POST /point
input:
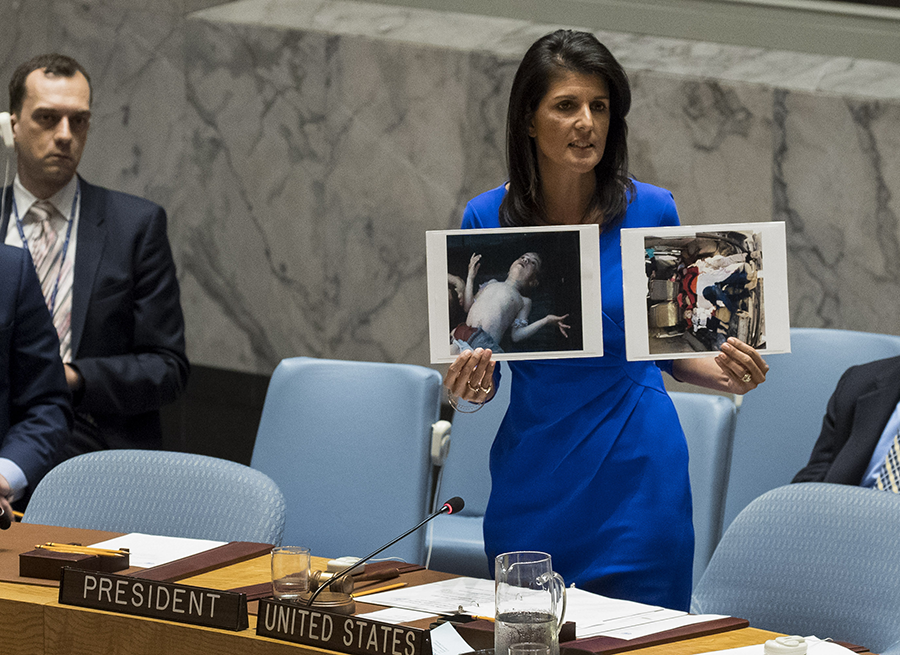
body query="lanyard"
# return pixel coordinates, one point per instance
(65, 244)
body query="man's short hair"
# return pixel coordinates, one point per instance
(53, 64)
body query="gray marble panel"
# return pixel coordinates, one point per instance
(440, 29)
(318, 163)
(190, 6)
(484, 133)
(837, 184)
(708, 142)
(134, 57)
(24, 33)
(773, 68)
(128, 7)
(302, 148)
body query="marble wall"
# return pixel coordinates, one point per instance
(303, 147)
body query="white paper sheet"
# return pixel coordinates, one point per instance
(650, 624)
(445, 640)
(574, 288)
(459, 595)
(593, 614)
(148, 550)
(395, 616)
(814, 646)
(765, 263)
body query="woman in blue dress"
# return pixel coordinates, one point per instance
(590, 463)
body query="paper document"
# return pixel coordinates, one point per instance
(396, 616)
(445, 640)
(456, 596)
(650, 624)
(594, 615)
(148, 550)
(814, 646)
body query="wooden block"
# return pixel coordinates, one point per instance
(48, 564)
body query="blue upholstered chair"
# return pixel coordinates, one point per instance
(812, 559)
(778, 423)
(708, 424)
(457, 542)
(161, 493)
(349, 445)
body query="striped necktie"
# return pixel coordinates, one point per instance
(889, 476)
(46, 245)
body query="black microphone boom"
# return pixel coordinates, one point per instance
(452, 506)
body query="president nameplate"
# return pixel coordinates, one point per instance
(344, 633)
(212, 608)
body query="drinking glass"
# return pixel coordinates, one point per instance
(290, 572)
(529, 648)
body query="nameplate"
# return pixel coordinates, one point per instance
(344, 633)
(158, 600)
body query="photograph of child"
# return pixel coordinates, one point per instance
(518, 293)
(702, 290)
(699, 288)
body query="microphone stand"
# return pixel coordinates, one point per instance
(343, 602)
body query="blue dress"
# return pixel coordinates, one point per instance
(590, 463)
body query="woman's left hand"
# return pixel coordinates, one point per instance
(742, 365)
(471, 376)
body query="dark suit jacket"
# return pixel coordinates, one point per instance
(127, 324)
(857, 412)
(35, 414)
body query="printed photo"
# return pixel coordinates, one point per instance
(690, 289)
(523, 293)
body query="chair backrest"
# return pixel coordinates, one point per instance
(456, 543)
(466, 472)
(778, 423)
(708, 424)
(162, 493)
(811, 559)
(349, 445)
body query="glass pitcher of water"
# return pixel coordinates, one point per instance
(531, 602)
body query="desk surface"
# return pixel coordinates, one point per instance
(41, 625)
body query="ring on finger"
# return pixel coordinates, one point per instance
(747, 377)
(487, 389)
(475, 388)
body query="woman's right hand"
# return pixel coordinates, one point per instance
(559, 322)
(471, 376)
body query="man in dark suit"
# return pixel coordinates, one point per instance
(109, 277)
(35, 415)
(862, 419)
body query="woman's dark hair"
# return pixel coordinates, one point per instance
(549, 56)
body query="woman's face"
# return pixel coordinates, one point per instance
(571, 123)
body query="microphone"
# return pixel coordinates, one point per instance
(5, 520)
(452, 506)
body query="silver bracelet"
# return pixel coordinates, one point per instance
(463, 406)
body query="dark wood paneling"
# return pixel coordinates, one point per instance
(218, 414)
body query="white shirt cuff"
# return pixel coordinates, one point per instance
(18, 483)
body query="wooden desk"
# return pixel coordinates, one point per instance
(38, 624)
(42, 625)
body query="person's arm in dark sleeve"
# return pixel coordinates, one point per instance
(155, 372)
(40, 410)
(835, 432)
